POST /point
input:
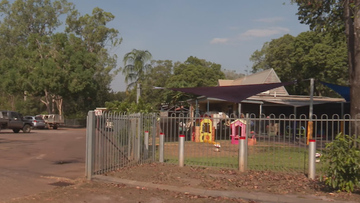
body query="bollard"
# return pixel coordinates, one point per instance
(312, 159)
(181, 150)
(242, 154)
(146, 143)
(161, 148)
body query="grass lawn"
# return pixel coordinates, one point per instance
(263, 156)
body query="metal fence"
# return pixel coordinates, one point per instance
(119, 140)
(75, 123)
(273, 143)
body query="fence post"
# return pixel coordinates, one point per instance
(242, 154)
(181, 150)
(312, 161)
(138, 137)
(154, 131)
(146, 143)
(90, 145)
(161, 148)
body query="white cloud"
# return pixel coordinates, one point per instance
(270, 20)
(219, 41)
(263, 32)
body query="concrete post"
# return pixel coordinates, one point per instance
(312, 159)
(90, 145)
(242, 154)
(146, 143)
(181, 150)
(161, 148)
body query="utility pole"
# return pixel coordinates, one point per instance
(138, 92)
(311, 98)
(310, 123)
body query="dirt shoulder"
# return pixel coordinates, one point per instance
(95, 192)
(231, 180)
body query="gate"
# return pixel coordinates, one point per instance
(115, 140)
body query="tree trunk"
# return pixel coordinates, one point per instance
(352, 29)
(46, 101)
(59, 104)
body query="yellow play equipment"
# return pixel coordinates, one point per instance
(205, 132)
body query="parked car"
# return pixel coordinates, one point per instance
(15, 121)
(37, 121)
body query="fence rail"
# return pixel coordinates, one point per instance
(272, 143)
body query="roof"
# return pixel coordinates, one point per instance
(225, 82)
(262, 77)
(289, 100)
(234, 93)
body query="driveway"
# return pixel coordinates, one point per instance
(36, 161)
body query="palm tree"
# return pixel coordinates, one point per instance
(136, 65)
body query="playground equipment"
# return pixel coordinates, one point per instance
(204, 131)
(235, 125)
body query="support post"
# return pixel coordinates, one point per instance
(242, 154)
(90, 145)
(161, 148)
(208, 107)
(146, 143)
(181, 150)
(294, 123)
(196, 108)
(312, 159)
(239, 109)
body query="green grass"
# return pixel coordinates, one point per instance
(275, 158)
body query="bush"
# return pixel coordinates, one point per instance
(342, 163)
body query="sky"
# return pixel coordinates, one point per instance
(226, 32)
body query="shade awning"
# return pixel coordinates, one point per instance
(342, 90)
(297, 103)
(235, 93)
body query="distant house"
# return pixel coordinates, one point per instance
(276, 101)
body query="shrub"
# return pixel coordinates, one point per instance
(342, 163)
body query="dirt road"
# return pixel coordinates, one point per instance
(34, 162)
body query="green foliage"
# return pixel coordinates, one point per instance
(136, 66)
(232, 74)
(67, 71)
(342, 158)
(157, 76)
(193, 72)
(322, 16)
(126, 107)
(308, 55)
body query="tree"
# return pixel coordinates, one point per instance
(337, 17)
(232, 74)
(158, 75)
(53, 66)
(193, 72)
(100, 40)
(22, 21)
(308, 55)
(136, 66)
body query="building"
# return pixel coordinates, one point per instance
(275, 101)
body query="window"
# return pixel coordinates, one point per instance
(14, 115)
